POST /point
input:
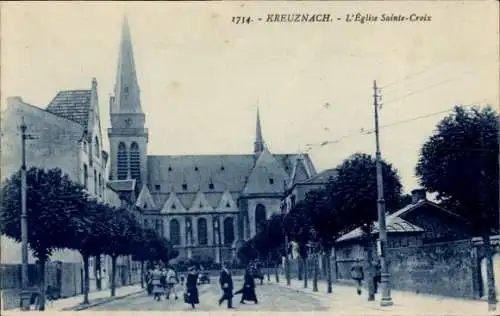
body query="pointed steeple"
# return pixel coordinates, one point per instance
(127, 94)
(259, 140)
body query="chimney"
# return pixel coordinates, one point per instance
(417, 195)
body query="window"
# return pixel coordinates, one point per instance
(157, 187)
(125, 89)
(271, 181)
(211, 186)
(174, 207)
(96, 146)
(184, 186)
(189, 231)
(195, 168)
(228, 231)
(135, 163)
(85, 176)
(202, 231)
(260, 217)
(159, 227)
(227, 204)
(175, 233)
(169, 168)
(84, 146)
(201, 205)
(122, 162)
(222, 168)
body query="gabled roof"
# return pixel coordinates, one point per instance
(173, 204)
(268, 176)
(145, 200)
(323, 176)
(121, 185)
(73, 105)
(227, 202)
(299, 172)
(412, 206)
(394, 225)
(200, 203)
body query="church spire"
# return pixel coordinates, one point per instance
(259, 140)
(127, 94)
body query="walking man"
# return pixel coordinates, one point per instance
(226, 283)
(357, 274)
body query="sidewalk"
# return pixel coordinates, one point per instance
(345, 300)
(74, 303)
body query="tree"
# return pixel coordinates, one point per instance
(354, 192)
(90, 231)
(460, 163)
(52, 201)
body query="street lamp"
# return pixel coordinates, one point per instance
(25, 293)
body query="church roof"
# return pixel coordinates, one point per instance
(268, 176)
(323, 177)
(73, 105)
(211, 174)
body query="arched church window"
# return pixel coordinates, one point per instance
(122, 162)
(202, 231)
(97, 148)
(228, 231)
(260, 217)
(135, 162)
(175, 232)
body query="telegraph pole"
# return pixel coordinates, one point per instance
(384, 282)
(25, 295)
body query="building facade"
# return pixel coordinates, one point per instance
(205, 204)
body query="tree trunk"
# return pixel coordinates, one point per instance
(142, 274)
(328, 269)
(113, 275)
(300, 270)
(98, 277)
(86, 278)
(315, 272)
(492, 297)
(370, 273)
(41, 303)
(305, 269)
(277, 273)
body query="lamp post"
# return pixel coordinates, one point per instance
(25, 293)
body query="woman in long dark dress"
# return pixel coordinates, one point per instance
(192, 288)
(248, 290)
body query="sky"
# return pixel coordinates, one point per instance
(203, 77)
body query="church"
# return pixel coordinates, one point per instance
(206, 205)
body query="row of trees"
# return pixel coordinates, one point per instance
(62, 215)
(459, 163)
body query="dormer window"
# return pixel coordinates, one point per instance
(169, 168)
(157, 187)
(271, 181)
(184, 186)
(145, 205)
(195, 168)
(222, 168)
(211, 186)
(228, 205)
(201, 205)
(173, 206)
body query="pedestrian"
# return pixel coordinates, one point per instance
(149, 281)
(357, 274)
(191, 294)
(248, 289)
(226, 283)
(171, 282)
(156, 282)
(378, 275)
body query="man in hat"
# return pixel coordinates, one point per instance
(226, 283)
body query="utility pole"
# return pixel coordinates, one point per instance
(25, 293)
(384, 281)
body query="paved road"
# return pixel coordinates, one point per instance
(271, 297)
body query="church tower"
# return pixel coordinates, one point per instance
(127, 136)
